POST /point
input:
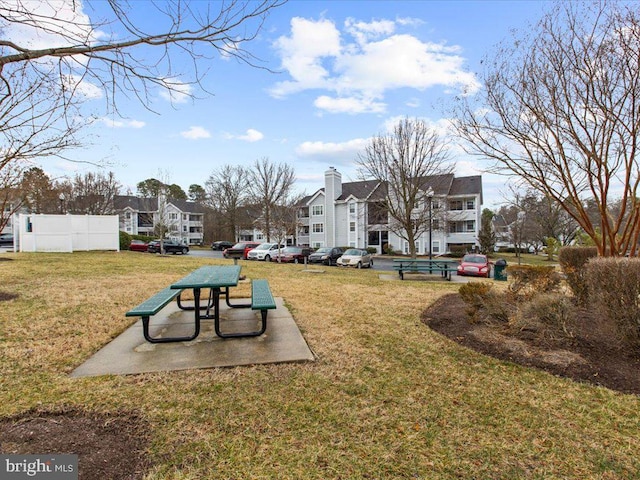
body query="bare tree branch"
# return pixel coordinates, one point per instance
(560, 110)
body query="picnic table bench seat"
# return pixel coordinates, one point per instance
(150, 307)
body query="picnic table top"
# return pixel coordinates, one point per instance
(210, 276)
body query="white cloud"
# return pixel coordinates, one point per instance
(178, 93)
(195, 133)
(251, 135)
(337, 153)
(303, 52)
(351, 105)
(113, 123)
(365, 61)
(363, 31)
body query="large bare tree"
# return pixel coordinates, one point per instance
(92, 193)
(270, 188)
(411, 161)
(226, 192)
(561, 110)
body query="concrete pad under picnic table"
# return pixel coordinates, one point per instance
(130, 353)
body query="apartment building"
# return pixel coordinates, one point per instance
(139, 216)
(353, 214)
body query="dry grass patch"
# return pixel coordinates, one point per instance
(387, 398)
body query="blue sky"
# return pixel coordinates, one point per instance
(347, 70)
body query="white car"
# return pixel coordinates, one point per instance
(355, 257)
(264, 251)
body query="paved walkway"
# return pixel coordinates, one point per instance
(130, 353)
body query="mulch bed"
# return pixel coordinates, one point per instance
(588, 358)
(108, 446)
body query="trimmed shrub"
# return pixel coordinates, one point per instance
(483, 304)
(125, 240)
(548, 316)
(529, 279)
(572, 261)
(457, 251)
(613, 288)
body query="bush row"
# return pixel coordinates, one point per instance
(610, 287)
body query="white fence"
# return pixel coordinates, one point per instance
(67, 233)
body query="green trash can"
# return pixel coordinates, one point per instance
(500, 270)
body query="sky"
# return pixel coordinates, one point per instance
(336, 73)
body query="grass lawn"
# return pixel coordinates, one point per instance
(386, 399)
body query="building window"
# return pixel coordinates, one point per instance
(318, 228)
(470, 226)
(145, 220)
(352, 208)
(184, 217)
(304, 230)
(471, 204)
(317, 210)
(455, 227)
(436, 247)
(173, 216)
(352, 226)
(127, 215)
(455, 205)
(184, 228)
(435, 224)
(317, 244)
(435, 203)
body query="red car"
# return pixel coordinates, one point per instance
(239, 250)
(292, 254)
(138, 246)
(476, 265)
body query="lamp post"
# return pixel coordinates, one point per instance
(430, 197)
(61, 197)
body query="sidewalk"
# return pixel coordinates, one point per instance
(130, 353)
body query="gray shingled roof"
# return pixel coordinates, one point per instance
(466, 186)
(442, 185)
(120, 202)
(360, 190)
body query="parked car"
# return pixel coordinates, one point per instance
(326, 255)
(292, 255)
(138, 246)
(239, 250)
(221, 245)
(168, 246)
(355, 257)
(265, 251)
(476, 265)
(6, 239)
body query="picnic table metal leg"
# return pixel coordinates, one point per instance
(216, 308)
(150, 339)
(226, 297)
(191, 308)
